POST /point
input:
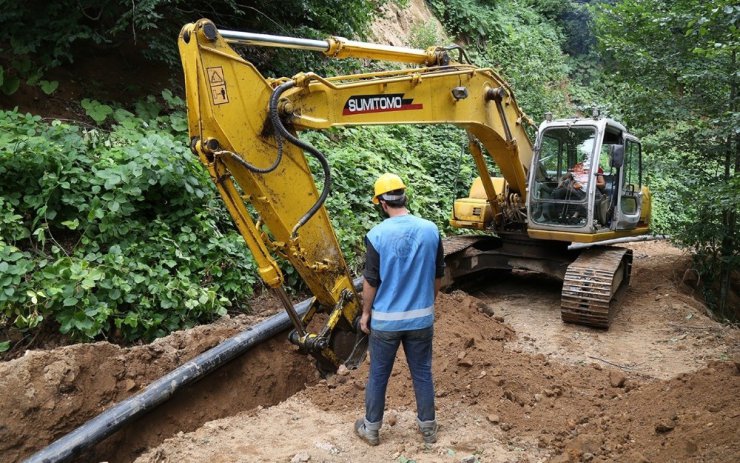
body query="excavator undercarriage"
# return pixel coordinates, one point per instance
(592, 283)
(592, 278)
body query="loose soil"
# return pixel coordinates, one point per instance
(395, 25)
(513, 384)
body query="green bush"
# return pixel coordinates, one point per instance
(113, 233)
(425, 35)
(675, 76)
(427, 158)
(45, 35)
(519, 42)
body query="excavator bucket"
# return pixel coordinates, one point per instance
(350, 347)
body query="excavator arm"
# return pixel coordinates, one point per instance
(243, 129)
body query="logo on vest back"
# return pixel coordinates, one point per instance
(364, 104)
(406, 245)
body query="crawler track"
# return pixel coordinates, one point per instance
(591, 278)
(591, 283)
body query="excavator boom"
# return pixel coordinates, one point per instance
(243, 129)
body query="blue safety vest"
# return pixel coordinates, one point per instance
(407, 247)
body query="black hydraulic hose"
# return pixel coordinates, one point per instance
(461, 50)
(254, 168)
(113, 419)
(282, 131)
(629, 239)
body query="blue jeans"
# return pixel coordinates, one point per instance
(417, 344)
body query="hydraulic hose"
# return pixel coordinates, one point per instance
(102, 426)
(281, 131)
(461, 50)
(252, 167)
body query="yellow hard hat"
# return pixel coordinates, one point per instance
(386, 183)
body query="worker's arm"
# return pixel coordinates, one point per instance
(600, 182)
(437, 285)
(370, 285)
(368, 296)
(439, 270)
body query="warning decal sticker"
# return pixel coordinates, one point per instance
(218, 85)
(363, 104)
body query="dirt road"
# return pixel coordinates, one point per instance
(519, 385)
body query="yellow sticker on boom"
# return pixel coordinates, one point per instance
(218, 85)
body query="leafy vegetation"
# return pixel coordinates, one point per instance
(44, 35)
(517, 41)
(113, 232)
(673, 74)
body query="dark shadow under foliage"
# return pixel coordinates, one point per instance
(44, 35)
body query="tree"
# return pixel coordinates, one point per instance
(43, 35)
(677, 63)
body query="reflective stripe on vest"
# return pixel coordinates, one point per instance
(396, 316)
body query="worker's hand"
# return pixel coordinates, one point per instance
(365, 323)
(565, 179)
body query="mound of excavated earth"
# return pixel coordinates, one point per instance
(513, 384)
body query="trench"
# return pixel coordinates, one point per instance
(45, 395)
(269, 374)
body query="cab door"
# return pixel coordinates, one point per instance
(630, 198)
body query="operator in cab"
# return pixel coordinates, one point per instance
(575, 180)
(403, 273)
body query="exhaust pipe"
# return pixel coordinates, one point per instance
(113, 419)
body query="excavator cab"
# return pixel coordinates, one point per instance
(586, 182)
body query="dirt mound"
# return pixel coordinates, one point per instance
(693, 417)
(500, 400)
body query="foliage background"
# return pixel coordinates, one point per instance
(676, 77)
(113, 232)
(109, 228)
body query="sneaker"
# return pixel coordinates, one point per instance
(429, 433)
(368, 435)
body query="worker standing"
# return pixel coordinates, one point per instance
(403, 271)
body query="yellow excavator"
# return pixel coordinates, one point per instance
(581, 182)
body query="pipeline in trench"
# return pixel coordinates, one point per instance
(265, 376)
(218, 383)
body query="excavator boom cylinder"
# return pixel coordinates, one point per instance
(275, 41)
(339, 47)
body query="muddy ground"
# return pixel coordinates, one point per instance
(519, 385)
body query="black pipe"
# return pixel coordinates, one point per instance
(113, 419)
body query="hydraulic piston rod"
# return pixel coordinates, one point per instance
(338, 47)
(278, 41)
